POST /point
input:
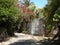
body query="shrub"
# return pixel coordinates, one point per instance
(9, 14)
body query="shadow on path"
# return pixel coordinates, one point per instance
(26, 42)
(31, 42)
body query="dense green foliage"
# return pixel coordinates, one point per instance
(9, 14)
(51, 11)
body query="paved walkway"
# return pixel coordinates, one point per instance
(23, 39)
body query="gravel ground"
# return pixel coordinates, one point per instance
(23, 39)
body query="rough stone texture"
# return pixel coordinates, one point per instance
(3, 34)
